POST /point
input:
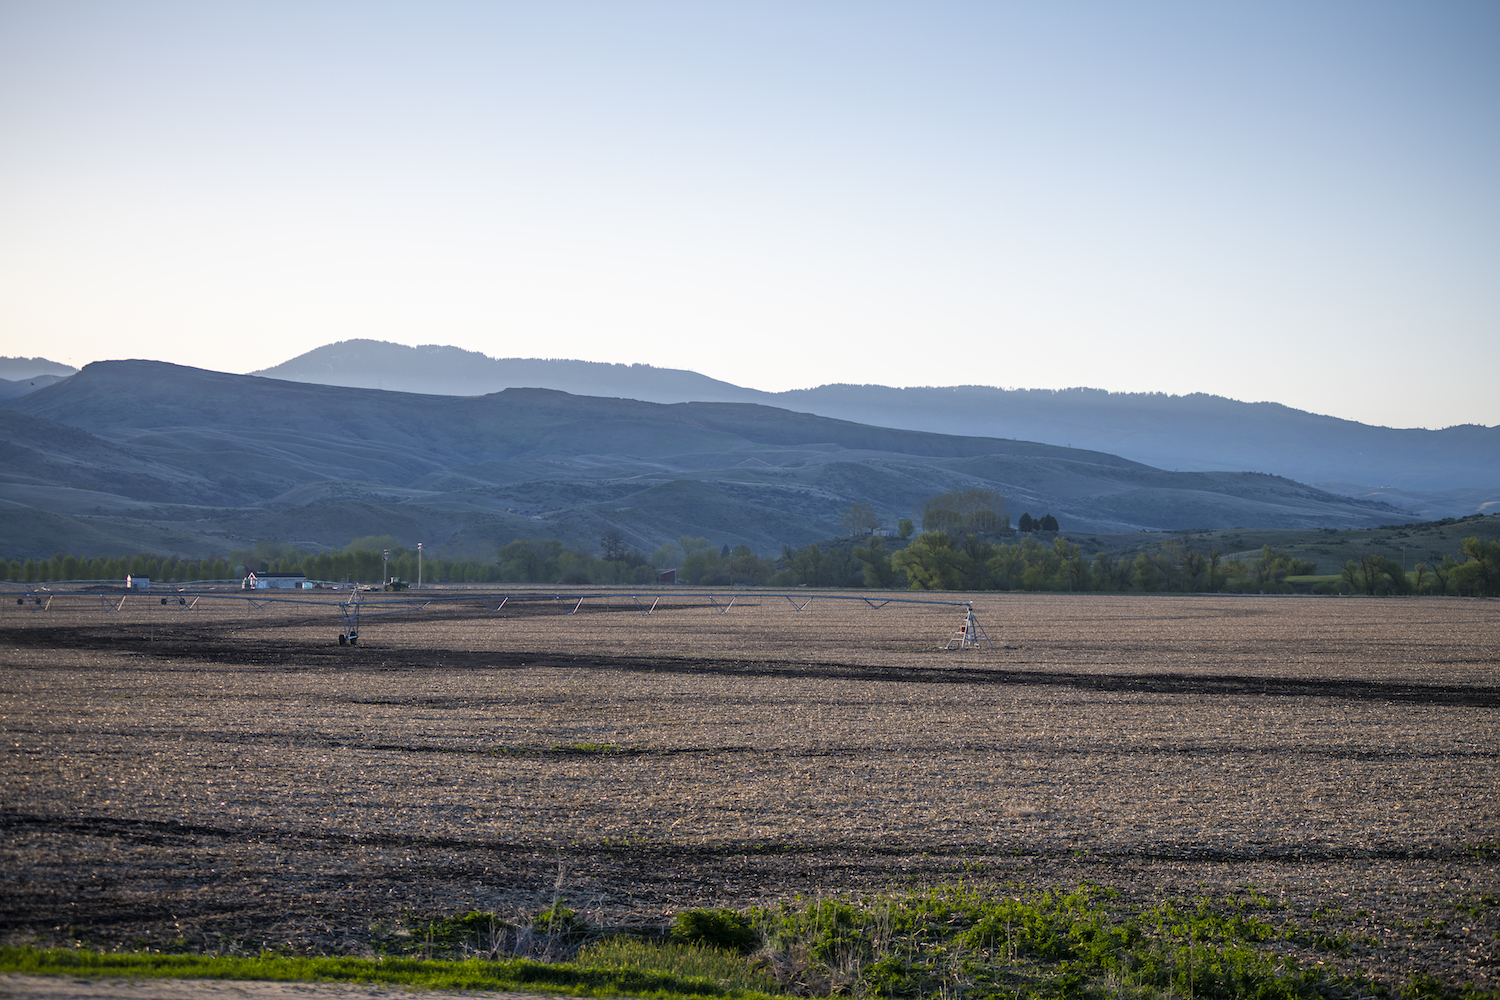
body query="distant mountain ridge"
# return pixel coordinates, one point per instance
(1197, 432)
(19, 376)
(141, 450)
(452, 371)
(25, 369)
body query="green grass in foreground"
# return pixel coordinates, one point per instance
(951, 942)
(472, 974)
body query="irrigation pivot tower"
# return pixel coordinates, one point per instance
(969, 634)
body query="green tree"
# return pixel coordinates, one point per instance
(805, 565)
(745, 567)
(1146, 577)
(1442, 575)
(1195, 569)
(930, 562)
(973, 569)
(528, 560)
(878, 571)
(1479, 575)
(1268, 573)
(905, 528)
(669, 555)
(1007, 567)
(1373, 574)
(691, 546)
(365, 543)
(704, 567)
(975, 510)
(612, 546)
(1105, 569)
(1073, 569)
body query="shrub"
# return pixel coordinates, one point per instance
(558, 920)
(716, 928)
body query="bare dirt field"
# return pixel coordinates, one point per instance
(230, 777)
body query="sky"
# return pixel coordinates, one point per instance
(1296, 202)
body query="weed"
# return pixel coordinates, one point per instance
(955, 941)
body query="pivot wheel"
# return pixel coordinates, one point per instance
(343, 639)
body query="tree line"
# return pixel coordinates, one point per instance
(69, 567)
(1477, 575)
(933, 560)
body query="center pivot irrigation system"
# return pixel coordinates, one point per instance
(356, 608)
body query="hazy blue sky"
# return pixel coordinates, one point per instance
(1297, 202)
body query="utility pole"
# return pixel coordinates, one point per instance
(385, 568)
(419, 565)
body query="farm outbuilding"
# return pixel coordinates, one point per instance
(274, 581)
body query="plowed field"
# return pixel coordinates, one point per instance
(228, 776)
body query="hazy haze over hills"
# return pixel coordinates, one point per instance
(1198, 432)
(179, 459)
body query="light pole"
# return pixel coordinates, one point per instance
(419, 565)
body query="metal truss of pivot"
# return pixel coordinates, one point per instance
(969, 634)
(352, 610)
(36, 602)
(349, 613)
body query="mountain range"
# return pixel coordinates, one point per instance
(1437, 473)
(148, 456)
